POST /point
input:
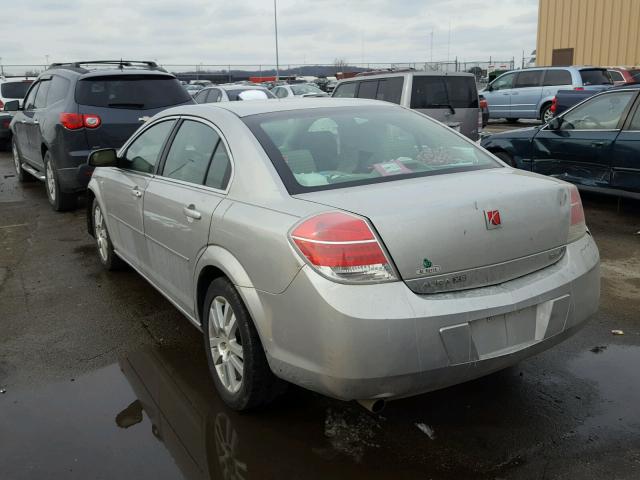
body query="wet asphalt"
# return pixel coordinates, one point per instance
(103, 379)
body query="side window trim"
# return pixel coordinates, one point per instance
(222, 139)
(123, 150)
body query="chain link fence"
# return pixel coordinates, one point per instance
(220, 73)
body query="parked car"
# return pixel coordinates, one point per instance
(193, 89)
(450, 98)
(298, 90)
(5, 130)
(230, 93)
(331, 86)
(566, 99)
(484, 108)
(528, 93)
(595, 144)
(76, 107)
(13, 88)
(306, 237)
(622, 76)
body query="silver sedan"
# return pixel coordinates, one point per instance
(353, 247)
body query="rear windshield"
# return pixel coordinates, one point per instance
(233, 94)
(635, 74)
(444, 92)
(595, 76)
(15, 89)
(303, 89)
(328, 148)
(132, 92)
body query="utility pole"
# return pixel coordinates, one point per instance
(431, 48)
(275, 20)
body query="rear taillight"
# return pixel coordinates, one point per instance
(1, 104)
(484, 104)
(579, 88)
(554, 104)
(578, 227)
(5, 123)
(342, 247)
(75, 121)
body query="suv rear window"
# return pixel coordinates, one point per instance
(444, 92)
(595, 76)
(328, 148)
(15, 89)
(131, 91)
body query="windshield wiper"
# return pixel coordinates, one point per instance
(125, 105)
(448, 105)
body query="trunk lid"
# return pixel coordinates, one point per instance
(436, 231)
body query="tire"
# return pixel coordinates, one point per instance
(546, 114)
(59, 200)
(17, 163)
(512, 120)
(237, 362)
(506, 158)
(106, 254)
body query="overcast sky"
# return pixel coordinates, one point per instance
(242, 31)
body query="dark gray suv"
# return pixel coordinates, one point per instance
(74, 108)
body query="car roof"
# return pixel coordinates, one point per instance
(406, 74)
(256, 107)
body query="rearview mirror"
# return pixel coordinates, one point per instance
(555, 123)
(12, 106)
(105, 157)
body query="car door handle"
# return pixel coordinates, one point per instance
(597, 144)
(36, 122)
(23, 121)
(135, 192)
(191, 212)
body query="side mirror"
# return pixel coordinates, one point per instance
(555, 123)
(488, 88)
(12, 106)
(105, 157)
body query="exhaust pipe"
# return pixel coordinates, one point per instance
(374, 405)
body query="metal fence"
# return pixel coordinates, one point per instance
(233, 72)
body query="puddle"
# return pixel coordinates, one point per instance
(613, 371)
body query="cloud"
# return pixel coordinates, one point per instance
(242, 32)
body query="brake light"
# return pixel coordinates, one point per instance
(484, 104)
(76, 121)
(1, 104)
(578, 227)
(579, 88)
(342, 247)
(554, 103)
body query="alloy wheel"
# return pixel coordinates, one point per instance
(226, 344)
(547, 116)
(51, 182)
(100, 231)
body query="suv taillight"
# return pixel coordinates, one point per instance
(554, 103)
(578, 227)
(76, 121)
(342, 247)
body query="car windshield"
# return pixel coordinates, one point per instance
(326, 148)
(131, 91)
(15, 89)
(233, 94)
(303, 89)
(595, 76)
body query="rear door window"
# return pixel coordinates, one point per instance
(214, 95)
(390, 89)
(529, 78)
(190, 152)
(616, 76)
(58, 89)
(29, 101)
(557, 77)
(368, 89)
(220, 168)
(346, 90)
(595, 76)
(15, 89)
(131, 91)
(432, 92)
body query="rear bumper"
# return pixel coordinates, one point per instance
(361, 342)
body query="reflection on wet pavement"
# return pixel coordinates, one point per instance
(156, 415)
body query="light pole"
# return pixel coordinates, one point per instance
(275, 20)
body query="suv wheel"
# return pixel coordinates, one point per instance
(107, 256)
(17, 161)
(60, 201)
(235, 356)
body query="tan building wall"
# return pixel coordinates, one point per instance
(600, 32)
